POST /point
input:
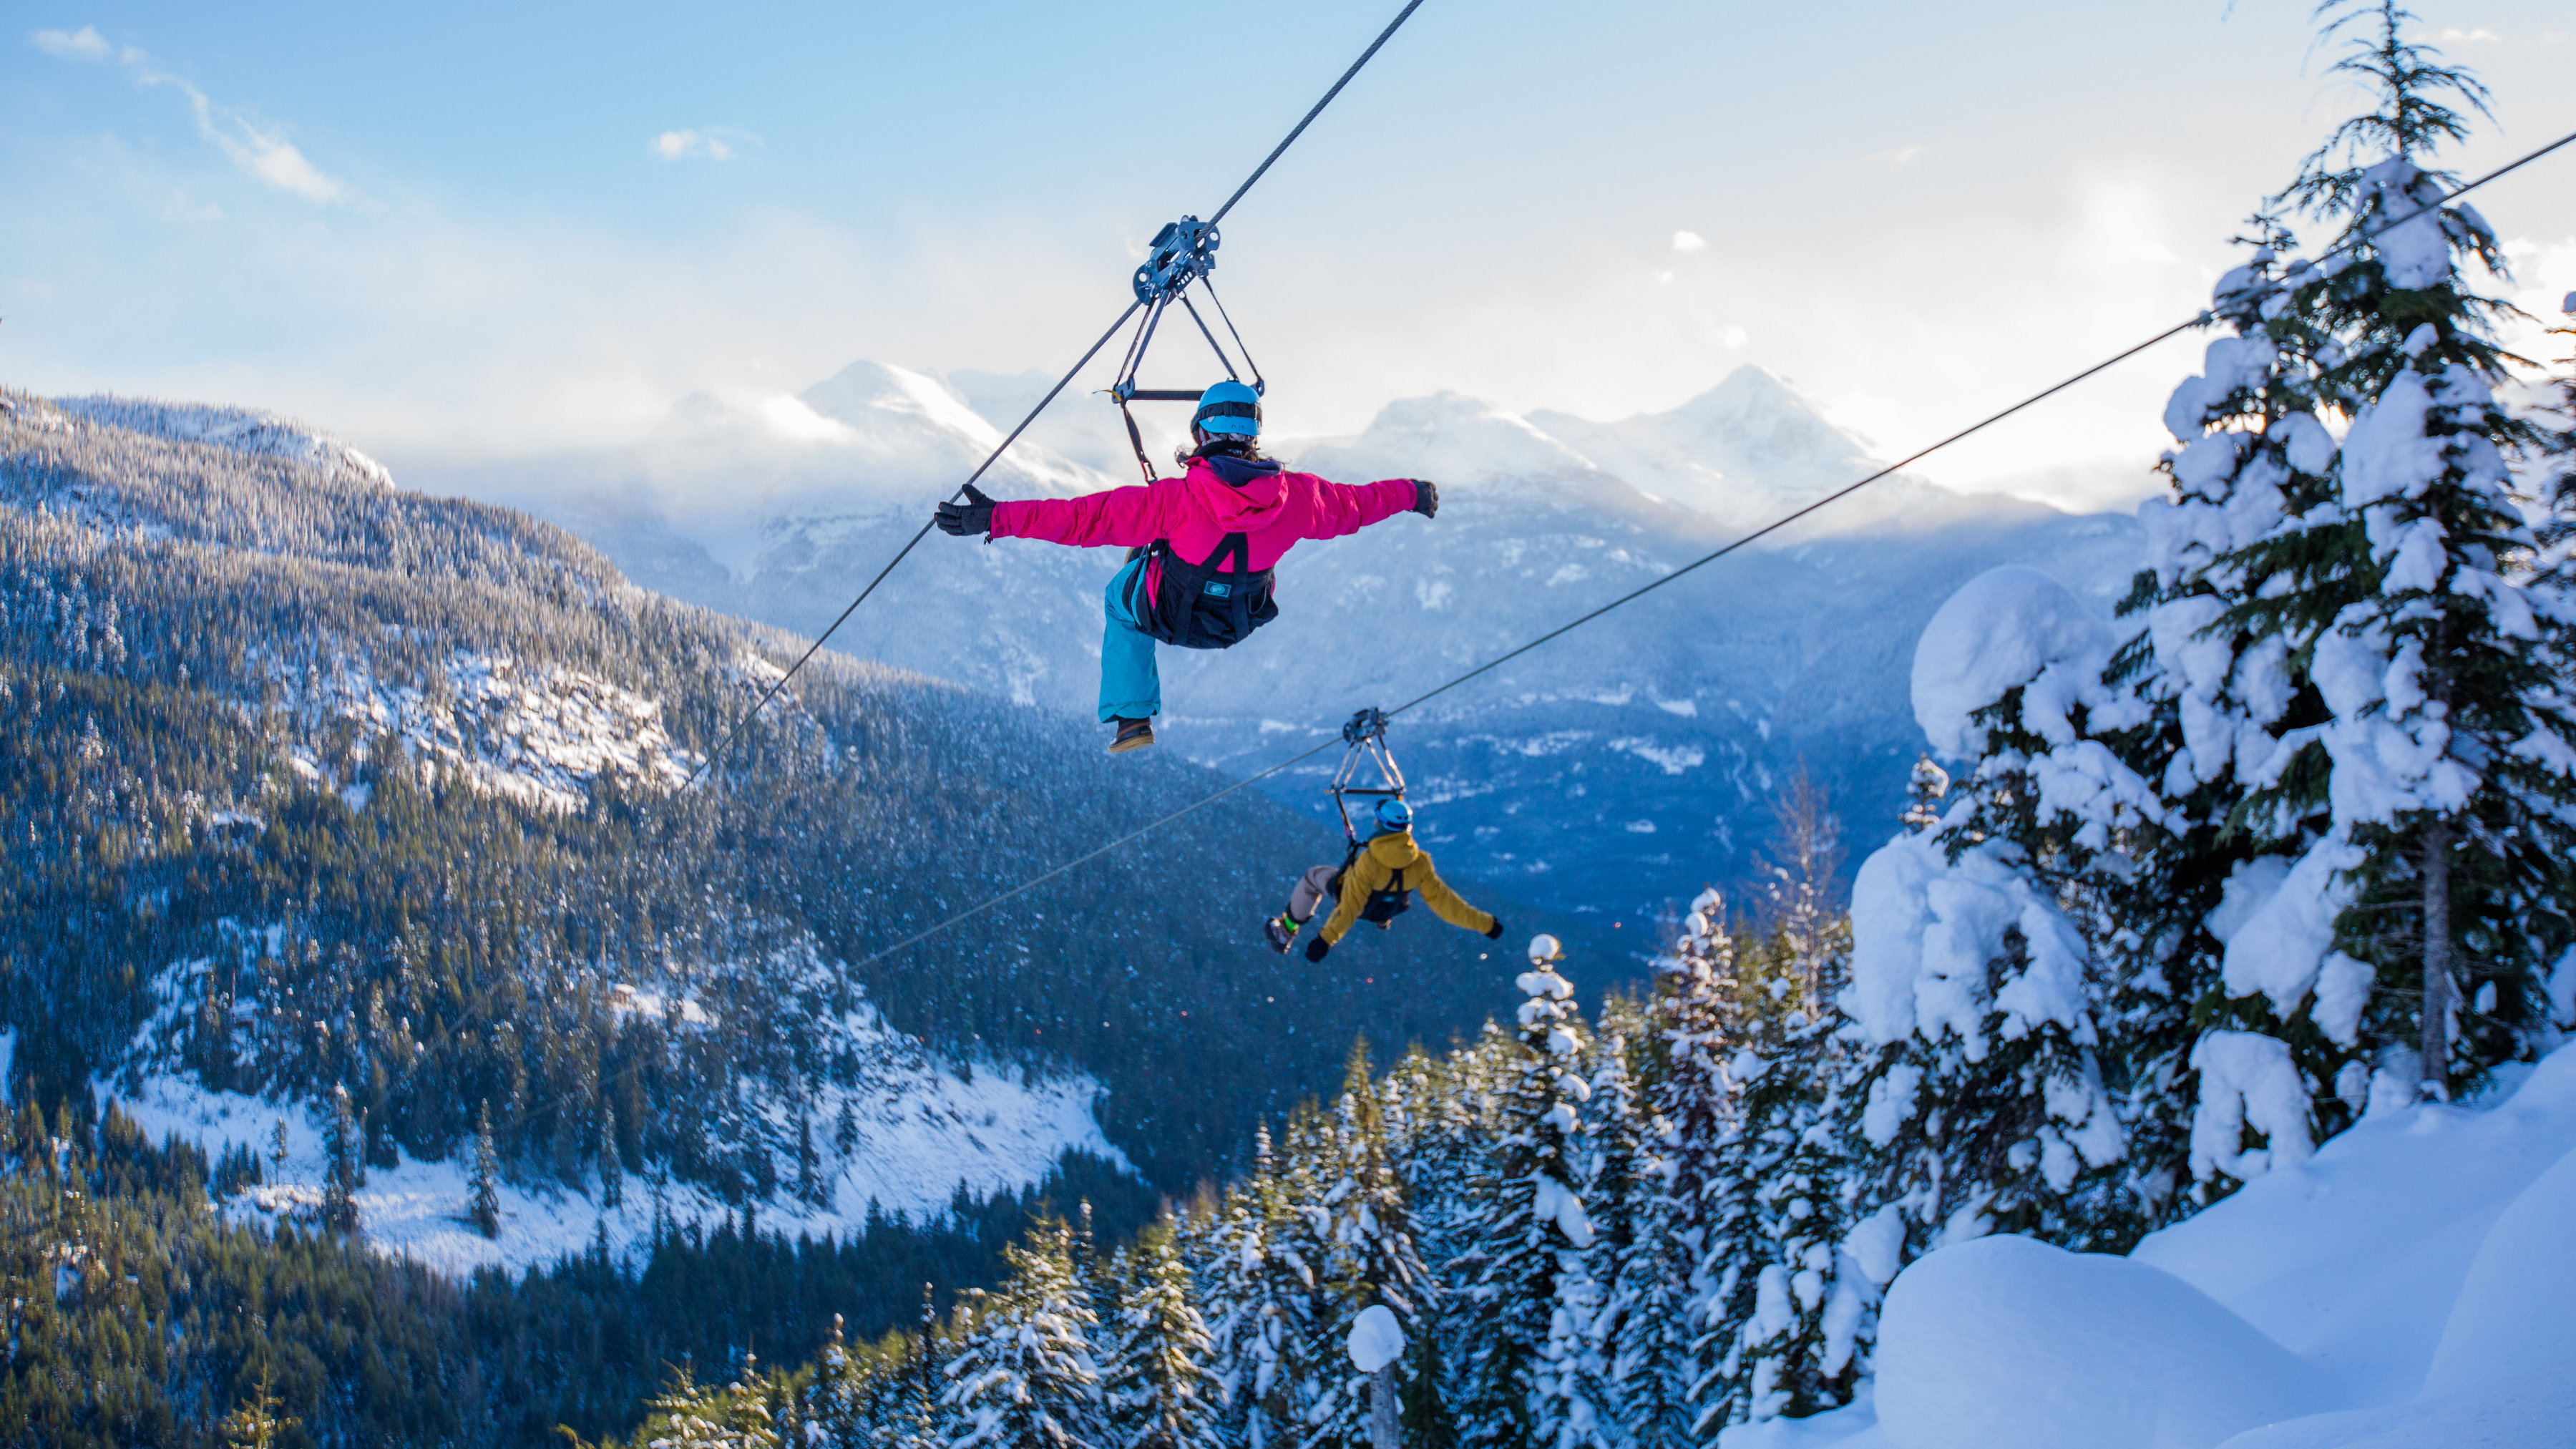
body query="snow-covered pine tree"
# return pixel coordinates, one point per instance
(1641, 1334)
(2190, 707)
(341, 1167)
(1694, 1020)
(1369, 1259)
(1312, 1366)
(1527, 1374)
(1792, 1325)
(1974, 1083)
(1155, 1385)
(1258, 1298)
(838, 1400)
(484, 1209)
(255, 1423)
(2432, 789)
(612, 1171)
(1026, 1375)
(1449, 1101)
(686, 1414)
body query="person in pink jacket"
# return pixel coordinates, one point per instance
(1201, 546)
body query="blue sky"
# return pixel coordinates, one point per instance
(475, 229)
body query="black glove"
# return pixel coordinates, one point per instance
(975, 515)
(1496, 933)
(1316, 948)
(1426, 498)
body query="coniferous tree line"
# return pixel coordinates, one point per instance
(138, 1313)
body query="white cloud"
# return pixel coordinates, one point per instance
(1689, 241)
(715, 143)
(2455, 35)
(82, 44)
(1900, 156)
(264, 154)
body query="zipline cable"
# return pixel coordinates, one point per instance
(1281, 149)
(482, 1005)
(2199, 319)
(776, 686)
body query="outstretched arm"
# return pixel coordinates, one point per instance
(1446, 903)
(1342, 508)
(1128, 517)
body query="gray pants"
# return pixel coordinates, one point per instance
(1308, 892)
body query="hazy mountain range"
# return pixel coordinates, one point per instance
(1617, 768)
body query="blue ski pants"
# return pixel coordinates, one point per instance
(1131, 687)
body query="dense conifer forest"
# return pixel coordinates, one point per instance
(393, 782)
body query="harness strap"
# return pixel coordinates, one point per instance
(1239, 578)
(1136, 440)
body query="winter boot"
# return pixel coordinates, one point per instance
(1279, 931)
(1133, 734)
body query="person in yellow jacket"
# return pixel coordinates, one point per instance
(1376, 884)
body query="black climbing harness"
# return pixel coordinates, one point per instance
(1183, 252)
(1201, 605)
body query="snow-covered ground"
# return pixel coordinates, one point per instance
(537, 734)
(925, 1128)
(2411, 1286)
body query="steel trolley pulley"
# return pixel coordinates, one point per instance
(1368, 755)
(1183, 252)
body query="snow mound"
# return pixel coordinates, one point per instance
(2404, 1288)
(2006, 1341)
(1993, 636)
(242, 430)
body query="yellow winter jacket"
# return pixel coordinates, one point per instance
(1376, 870)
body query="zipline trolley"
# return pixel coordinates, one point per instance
(1366, 737)
(1183, 252)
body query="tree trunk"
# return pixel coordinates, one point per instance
(1382, 1408)
(2437, 961)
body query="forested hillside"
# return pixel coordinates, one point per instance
(313, 785)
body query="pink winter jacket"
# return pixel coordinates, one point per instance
(1273, 510)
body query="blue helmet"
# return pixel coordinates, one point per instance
(1229, 408)
(1394, 814)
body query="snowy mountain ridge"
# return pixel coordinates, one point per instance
(1666, 724)
(242, 430)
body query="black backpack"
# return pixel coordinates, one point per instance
(1202, 605)
(1382, 906)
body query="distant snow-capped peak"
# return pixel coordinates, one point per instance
(1450, 437)
(1747, 447)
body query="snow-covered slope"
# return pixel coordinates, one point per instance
(925, 1129)
(1618, 768)
(2408, 1287)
